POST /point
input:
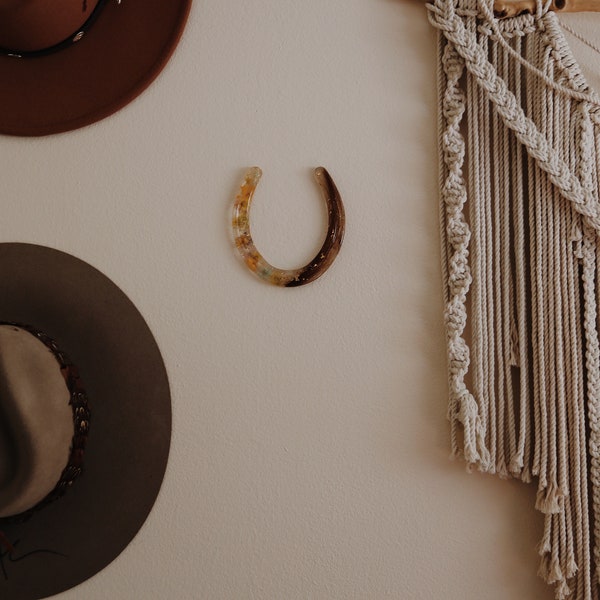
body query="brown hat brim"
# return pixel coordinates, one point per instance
(126, 455)
(120, 55)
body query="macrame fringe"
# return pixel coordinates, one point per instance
(520, 220)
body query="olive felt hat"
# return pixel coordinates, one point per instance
(67, 63)
(85, 421)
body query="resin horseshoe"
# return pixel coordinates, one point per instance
(324, 257)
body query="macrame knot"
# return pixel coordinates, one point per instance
(453, 157)
(457, 283)
(454, 65)
(459, 359)
(459, 230)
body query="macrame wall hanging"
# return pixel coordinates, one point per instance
(519, 142)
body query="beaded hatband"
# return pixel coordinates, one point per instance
(68, 41)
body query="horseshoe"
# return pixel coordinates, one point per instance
(324, 257)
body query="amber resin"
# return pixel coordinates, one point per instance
(322, 260)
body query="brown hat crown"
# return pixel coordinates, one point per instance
(34, 25)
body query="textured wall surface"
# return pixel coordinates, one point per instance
(310, 446)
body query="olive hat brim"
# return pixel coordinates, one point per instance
(119, 361)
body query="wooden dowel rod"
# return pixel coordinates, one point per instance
(512, 8)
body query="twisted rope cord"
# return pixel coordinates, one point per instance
(498, 399)
(477, 268)
(523, 456)
(462, 405)
(444, 251)
(590, 327)
(484, 201)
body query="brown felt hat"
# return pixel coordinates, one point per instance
(85, 421)
(67, 63)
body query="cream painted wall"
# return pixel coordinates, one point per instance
(310, 447)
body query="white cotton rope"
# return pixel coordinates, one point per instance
(519, 145)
